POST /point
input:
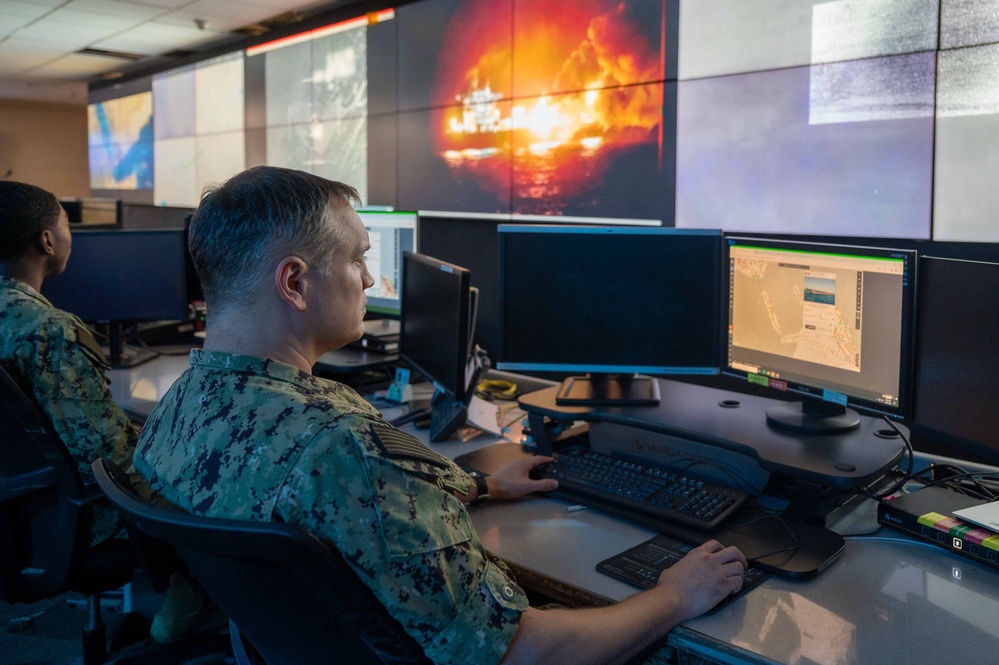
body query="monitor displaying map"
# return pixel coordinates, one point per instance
(830, 322)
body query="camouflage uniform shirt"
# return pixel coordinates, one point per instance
(55, 358)
(246, 438)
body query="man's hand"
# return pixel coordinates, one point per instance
(704, 577)
(513, 480)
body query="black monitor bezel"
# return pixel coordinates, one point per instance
(455, 384)
(814, 392)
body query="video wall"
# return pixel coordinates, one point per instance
(875, 118)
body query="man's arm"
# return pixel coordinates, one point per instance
(72, 389)
(616, 633)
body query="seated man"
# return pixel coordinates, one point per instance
(49, 352)
(248, 433)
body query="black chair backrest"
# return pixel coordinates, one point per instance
(294, 599)
(40, 501)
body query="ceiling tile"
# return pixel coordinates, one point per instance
(282, 6)
(106, 22)
(42, 3)
(219, 15)
(77, 65)
(70, 36)
(167, 4)
(18, 56)
(134, 10)
(157, 37)
(16, 15)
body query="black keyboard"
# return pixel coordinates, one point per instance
(641, 565)
(585, 474)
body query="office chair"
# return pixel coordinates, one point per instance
(43, 549)
(289, 597)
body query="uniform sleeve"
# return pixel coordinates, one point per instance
(71, 386)
(398, 524)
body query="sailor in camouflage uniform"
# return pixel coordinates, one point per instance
(49, 352)
(248, 433)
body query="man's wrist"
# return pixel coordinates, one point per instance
(482, 489)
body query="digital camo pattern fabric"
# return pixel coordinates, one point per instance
(247, 438)
(56, 359)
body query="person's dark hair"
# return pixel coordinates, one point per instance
(257, 217)
(25, 211)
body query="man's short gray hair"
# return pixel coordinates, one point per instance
(256, 217)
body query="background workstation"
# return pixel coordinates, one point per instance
(866, 123)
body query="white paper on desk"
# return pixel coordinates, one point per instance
(483, 414)
(985, 515)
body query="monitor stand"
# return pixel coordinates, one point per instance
(608, 390)
(812, 416)
(119, 358)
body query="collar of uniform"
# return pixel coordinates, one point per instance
(237, 362)
(17, 285)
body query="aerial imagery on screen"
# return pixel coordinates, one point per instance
(120, 139)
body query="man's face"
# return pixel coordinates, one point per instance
(339, 298)
(62, 243)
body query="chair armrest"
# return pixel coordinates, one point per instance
(12, 487)
(88, 496)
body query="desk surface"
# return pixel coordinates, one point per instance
(887, 600)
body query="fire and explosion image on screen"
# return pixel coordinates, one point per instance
(556, 116)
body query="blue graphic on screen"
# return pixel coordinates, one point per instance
(120, 137)
(821, 290)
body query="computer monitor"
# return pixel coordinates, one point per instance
(390, 234)
(117, 276)
(471, 240)
(957, 351)
(612, 302)
(438, 316)
(94, 212)
(831, 323)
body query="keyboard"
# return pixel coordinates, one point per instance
(584, 475)
(641, 566)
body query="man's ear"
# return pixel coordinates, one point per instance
(291, 279)
(46, 242)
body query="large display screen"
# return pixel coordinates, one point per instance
(511, 111)
(836, 149)
(871, 118)
(120, 139)
(199, 128)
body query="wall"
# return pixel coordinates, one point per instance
(45, 144)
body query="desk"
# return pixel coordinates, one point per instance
(886, 600)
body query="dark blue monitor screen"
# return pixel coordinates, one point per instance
(115, 275)
(958, 354)
(609, 300)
